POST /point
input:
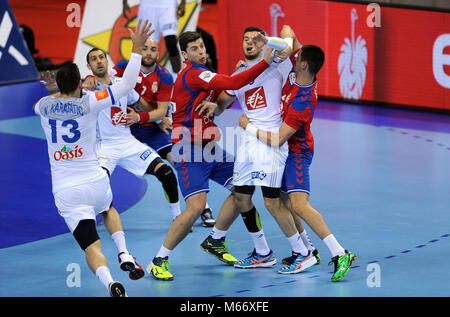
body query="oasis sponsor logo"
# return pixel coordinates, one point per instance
(68, 154)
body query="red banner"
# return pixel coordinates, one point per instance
(382, 54)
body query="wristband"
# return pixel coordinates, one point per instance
(252, 130)
(143, 116)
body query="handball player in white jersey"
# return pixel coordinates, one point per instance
(257, 164)
(116, 144)
(80, 186)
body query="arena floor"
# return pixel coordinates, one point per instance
(380, 177)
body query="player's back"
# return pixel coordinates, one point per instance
(70, 129)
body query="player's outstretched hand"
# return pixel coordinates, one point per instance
(90, 82)
(243, 121)
(259, 40)
(140, 35)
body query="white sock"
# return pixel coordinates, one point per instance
(175, 209)
(104, 276)
(217, 234)
(259, 240)
(307, 241)
(119, 239)
(207, 206)
(163, 252)
(297, 244)
(334, 246)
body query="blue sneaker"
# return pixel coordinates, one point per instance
(300, 264)
(257, 260)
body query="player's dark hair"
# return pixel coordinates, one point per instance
(93, 50)
(254, 29)
(68, 78)
(314, 56)
(186, 38)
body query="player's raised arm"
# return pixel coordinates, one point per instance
(131, 73)
(237, 81)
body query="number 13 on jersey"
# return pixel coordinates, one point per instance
(74, 136)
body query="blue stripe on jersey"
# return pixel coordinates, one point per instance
(111, 94)
(164, 75)
(187, 120)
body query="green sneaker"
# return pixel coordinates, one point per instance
(159, 269)
(219, 249)
(342, 265)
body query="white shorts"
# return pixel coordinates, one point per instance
(84, 201)
(163, 17)
(129, 154)
(258, 164)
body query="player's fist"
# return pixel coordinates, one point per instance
(243, 121)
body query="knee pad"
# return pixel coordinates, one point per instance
(169, 182)
(164, 172)
(86, 233)
(271, 192)
(252, 220)
(151, 168)
(171, 45)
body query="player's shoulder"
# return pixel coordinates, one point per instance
(164, 75)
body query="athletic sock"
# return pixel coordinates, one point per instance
(119, 240)
(163, 252)
(104, 275)
(175, 209)
(259, 240)
(307, 241)
(334, 246)
(297, 244)
(217, 234)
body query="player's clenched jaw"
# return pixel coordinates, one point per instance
(97, 62)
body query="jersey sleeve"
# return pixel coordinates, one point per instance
(133, 97)
(164, 92)
(298, 115)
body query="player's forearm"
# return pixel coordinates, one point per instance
(239, 80)
(152, 116)
(279, 44)
(269, 138)
(129, 77)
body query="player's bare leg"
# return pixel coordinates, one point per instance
(99, 265)
(113, 224)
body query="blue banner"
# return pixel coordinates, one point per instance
(16, 62)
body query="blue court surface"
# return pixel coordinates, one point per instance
(380, 177)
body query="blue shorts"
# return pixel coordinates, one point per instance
(153, 136)
(296, 173)
(194, 174)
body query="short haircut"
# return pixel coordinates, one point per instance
(93, 50)
(254, 29)
(314, 56)
(68, 78)
(186, 38)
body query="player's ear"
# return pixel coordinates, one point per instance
(184, 54)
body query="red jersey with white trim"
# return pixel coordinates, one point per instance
(154, 87)
(298, 106)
